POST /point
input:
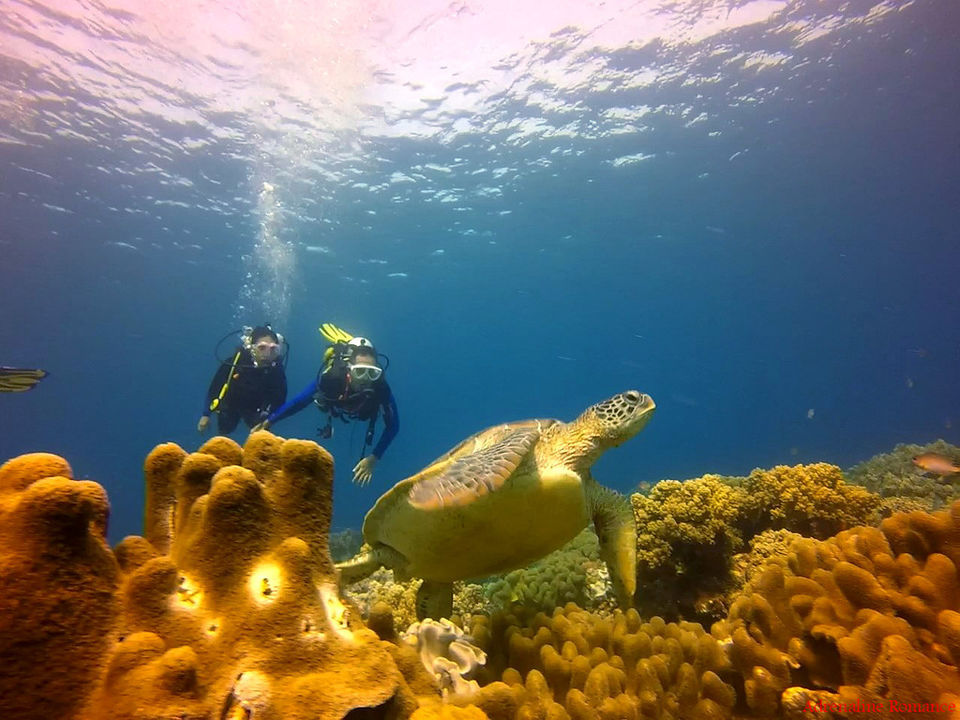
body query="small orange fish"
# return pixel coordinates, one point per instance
(936, 463)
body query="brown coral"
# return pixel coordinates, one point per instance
(869, 613)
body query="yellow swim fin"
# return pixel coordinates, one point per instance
(334, 334)
(19, 379)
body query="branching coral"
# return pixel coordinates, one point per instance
(870, 614)
(401, 596)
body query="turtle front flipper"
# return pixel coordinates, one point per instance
(434, 600)
(476, 474)
(367, 562)
(617, 531)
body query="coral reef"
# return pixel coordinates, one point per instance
(58, 580)
(228, 606)
(904, 486)
(869, 616)
(688, 533)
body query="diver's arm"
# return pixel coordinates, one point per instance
(391, 425)
(278, 394)
(296, 405)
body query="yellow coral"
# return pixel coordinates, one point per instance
(813, 500)
(687, 534)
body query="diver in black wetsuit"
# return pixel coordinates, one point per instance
(250, 384)
(350, 386)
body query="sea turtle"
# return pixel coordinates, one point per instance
(502, 498)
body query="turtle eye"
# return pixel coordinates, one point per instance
(633, 397)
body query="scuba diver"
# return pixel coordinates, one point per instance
(250, 384)
(350, 386)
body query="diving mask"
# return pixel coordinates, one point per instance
(365, 373)
(266, 350)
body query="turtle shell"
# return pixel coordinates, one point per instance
(467, 514)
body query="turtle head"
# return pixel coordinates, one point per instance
(614, 421)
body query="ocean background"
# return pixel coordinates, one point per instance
(748, 210)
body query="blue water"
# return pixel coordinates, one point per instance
(780, 273)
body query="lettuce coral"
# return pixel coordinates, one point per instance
(447, 653)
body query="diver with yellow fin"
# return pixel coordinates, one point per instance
(15, 380)
(350, 386)
(249, 383)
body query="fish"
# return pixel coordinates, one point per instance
(19, 379)
(936, 463)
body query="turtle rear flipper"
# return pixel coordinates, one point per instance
(617, 532)
(434, 600)
(367, 562)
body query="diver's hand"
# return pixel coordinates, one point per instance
(363, 470)
(202, 425)
(263, 425)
